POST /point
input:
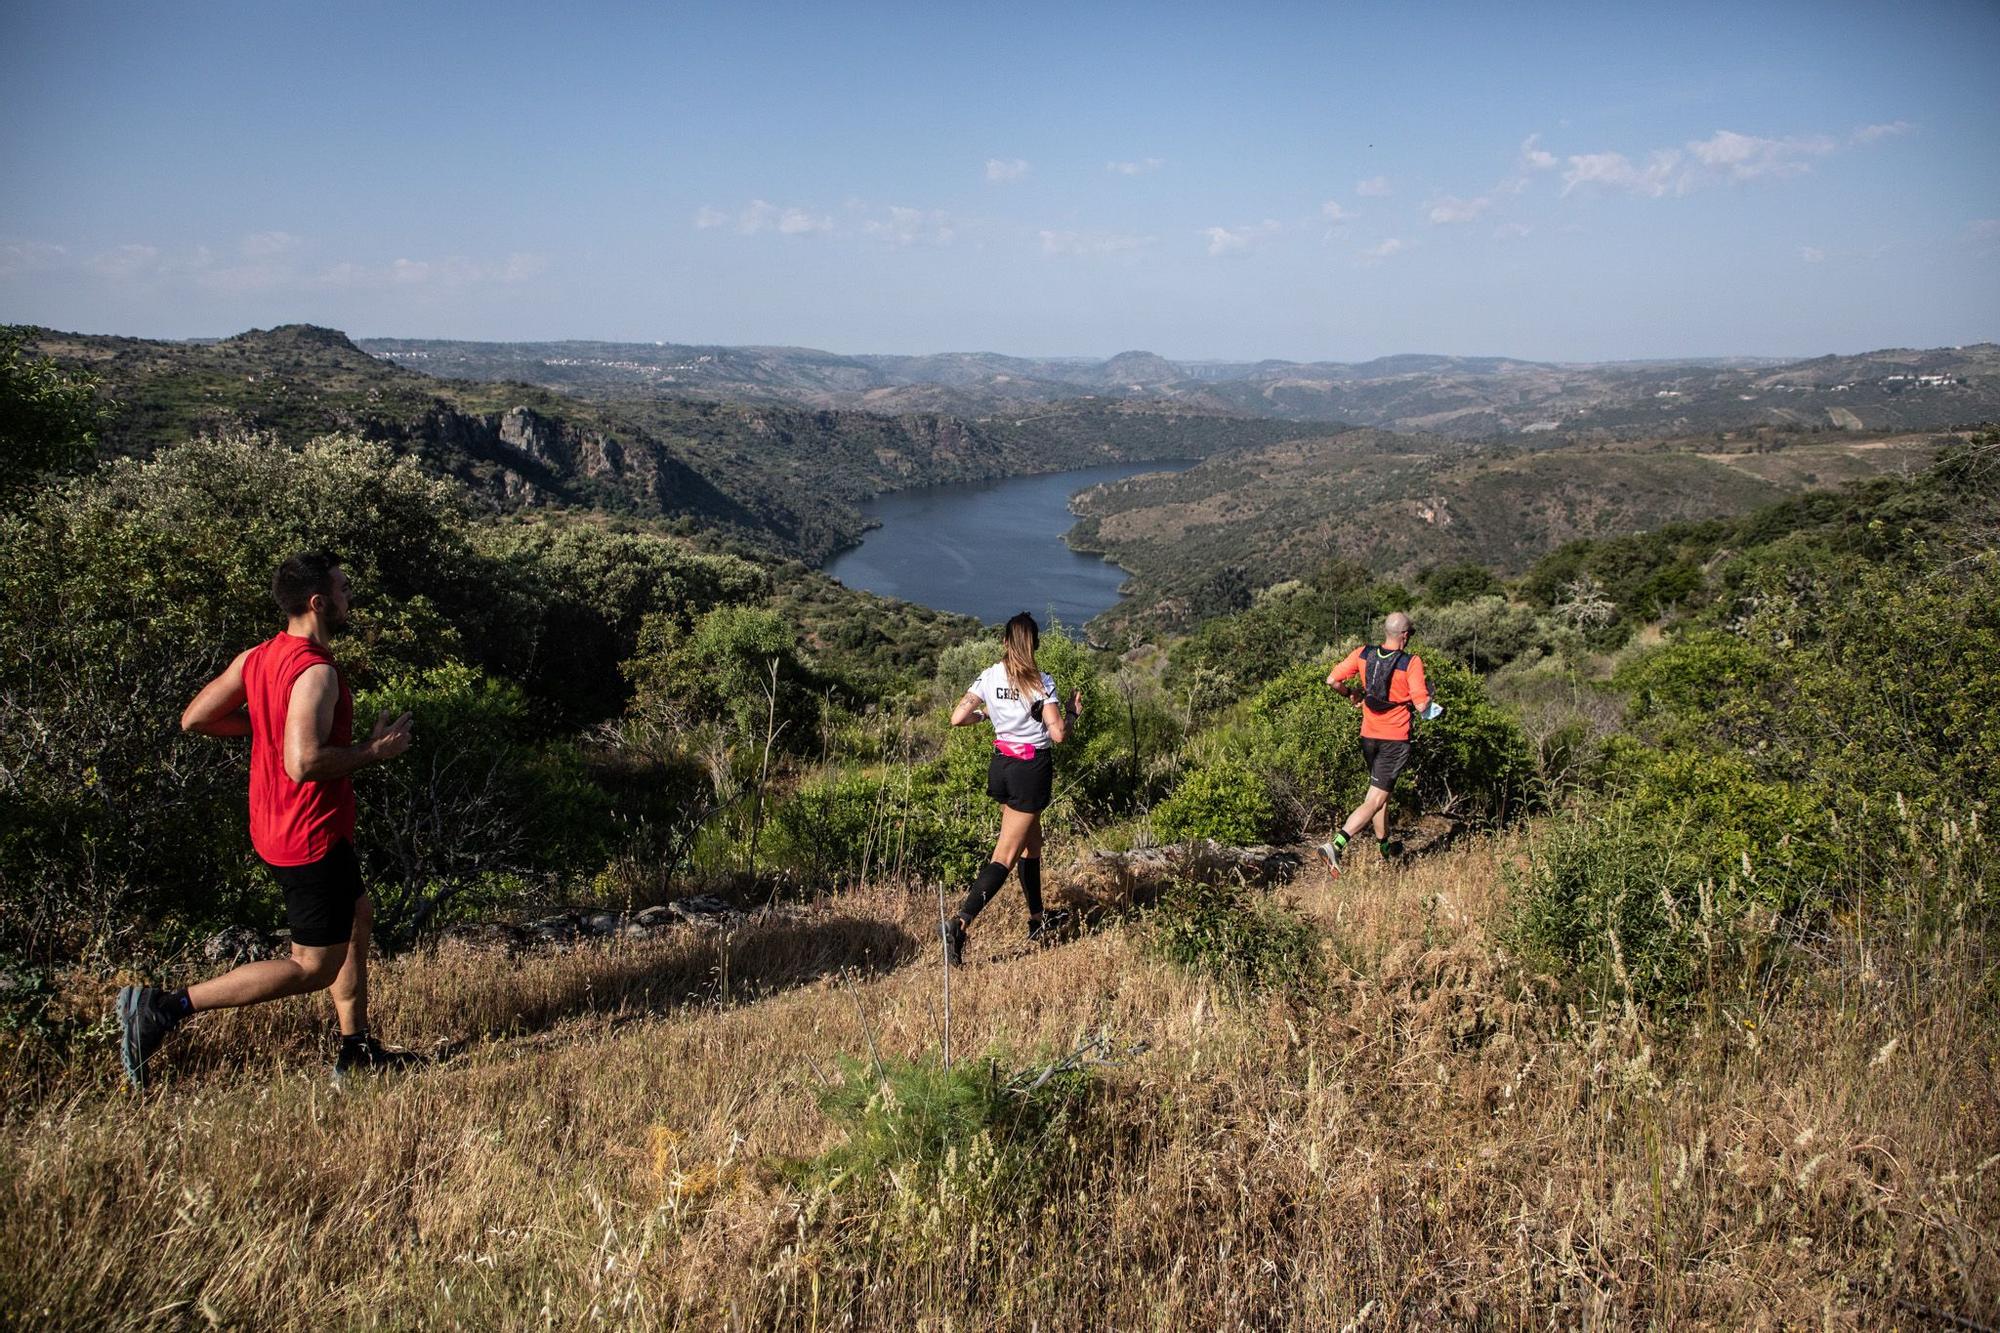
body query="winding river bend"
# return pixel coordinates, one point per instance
(989, 549)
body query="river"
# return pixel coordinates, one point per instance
(989, 548)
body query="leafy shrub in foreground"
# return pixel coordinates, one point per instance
(972, 1128)
(1618, 904)
(1236, 938)
(1226, 802)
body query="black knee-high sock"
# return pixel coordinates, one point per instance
(1029, 868)
(991, 876)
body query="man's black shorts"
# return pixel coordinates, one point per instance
(1022, 784)
(320, 896)
(1385, 759)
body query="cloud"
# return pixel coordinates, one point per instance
(127, 261)
(1003, 170)
(1746, 157)
(1450, 208)
(1725, 157)
(912, 226)
(1333, 212)
(1375, 187)
(18, 257)
(762, 216)
(1138, 168)
(1812, 254)
(266, 244)
(1228, 240)
(1534, 157)
(1875, 133)
(1616, 171)
(706, 218)
(1392, 246)
(1511, 231)
(450, 272)
(1093, 243)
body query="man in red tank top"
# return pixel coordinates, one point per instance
(289, 698)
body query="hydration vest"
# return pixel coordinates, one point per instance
(1378, 668)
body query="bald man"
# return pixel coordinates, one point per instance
(1391, 695)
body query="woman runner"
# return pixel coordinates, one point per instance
(1020, 700)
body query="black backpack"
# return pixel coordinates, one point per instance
(1378, 667)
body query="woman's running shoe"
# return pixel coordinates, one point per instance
(365, 1055)
(952, 932)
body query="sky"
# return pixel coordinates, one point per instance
(1327, 181)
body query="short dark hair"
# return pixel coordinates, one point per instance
(302, 576)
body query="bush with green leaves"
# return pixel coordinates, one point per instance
(121, 594)
(1488, 632)
(1235, 937)
(49, 417)
(1620, 906)
(1225, 801)
(981, 1130)
(741, 666)
(473, 801)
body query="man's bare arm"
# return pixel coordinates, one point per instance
(219, 709)
(309, 722)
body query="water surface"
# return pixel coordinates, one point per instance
(988, 548)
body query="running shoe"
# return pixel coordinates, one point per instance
(145, 1017)
(1331, 857)
(1045, 927)
(369, 1056)
(953, 934)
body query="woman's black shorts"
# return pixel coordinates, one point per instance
(1022, 784)
(320, 896)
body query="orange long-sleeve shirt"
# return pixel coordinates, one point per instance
(1405, 687)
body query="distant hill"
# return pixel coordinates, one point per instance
(773, 475)
(1459, 397)
(1398, 503)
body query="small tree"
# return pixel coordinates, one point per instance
(48, 416)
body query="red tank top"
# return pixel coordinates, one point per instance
(292, 823)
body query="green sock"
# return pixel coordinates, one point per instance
(1382, 846)
(1340, 842)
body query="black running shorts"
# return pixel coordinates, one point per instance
(1022, 784)
(320, 896)
(1385, 759)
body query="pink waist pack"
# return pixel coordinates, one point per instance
(1015, 749)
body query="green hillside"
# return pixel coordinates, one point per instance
(772, 477)
(1397, 504)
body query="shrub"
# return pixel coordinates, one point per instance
(1486, 633)
(121, 594)
(1225, 802)
(472, 803)
(970, 1130)
(1231, 935)
(1617, 904)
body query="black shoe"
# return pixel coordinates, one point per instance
(953, 934)
(1046, 927)
(365, 1055)
(145, 1017)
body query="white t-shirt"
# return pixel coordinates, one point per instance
(1009, 711)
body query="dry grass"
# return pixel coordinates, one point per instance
(1433, 1145)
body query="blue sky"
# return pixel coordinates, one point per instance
(1585, 182)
